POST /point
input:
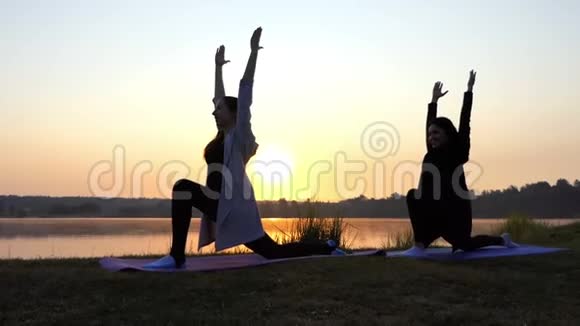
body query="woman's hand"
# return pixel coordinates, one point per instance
(438, 92)
(220, 54)
(251, 65)
(471, 81)
(255, 41)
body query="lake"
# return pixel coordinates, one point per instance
(97, 237)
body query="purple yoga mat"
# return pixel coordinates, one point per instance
(487, 252)
(213, 263)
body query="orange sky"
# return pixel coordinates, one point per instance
(77, 80)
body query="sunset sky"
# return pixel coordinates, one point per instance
(78, 78)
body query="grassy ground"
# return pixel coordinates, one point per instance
(537, 290)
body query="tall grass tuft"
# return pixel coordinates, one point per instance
(309, 227)
(399, 240)
(523, 229)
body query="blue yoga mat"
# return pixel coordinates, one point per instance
(487, 252)
(214, 263)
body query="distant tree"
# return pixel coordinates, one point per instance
(11, 210)
(129, 211)
(538, 187)
(281, 207)
(511, 190)
(60, 209)
(89, 209)
(22, 212)
(358, 198)
(534, 200)
(563, 183)
(395, 195)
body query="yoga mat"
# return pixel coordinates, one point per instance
(214, 263)
(487, 252)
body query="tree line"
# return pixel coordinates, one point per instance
(540, 199)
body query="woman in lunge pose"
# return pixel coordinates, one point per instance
(230, 213)
(441, 205)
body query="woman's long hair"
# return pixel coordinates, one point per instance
(448, 128)
(232, 105)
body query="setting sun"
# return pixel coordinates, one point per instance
(304, 162)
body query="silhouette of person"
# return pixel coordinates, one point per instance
(441, 205)
(230, 213)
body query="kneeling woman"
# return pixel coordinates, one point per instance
(441, 206)
(230, 213)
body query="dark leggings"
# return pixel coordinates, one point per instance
(188, 194)
(446, 218)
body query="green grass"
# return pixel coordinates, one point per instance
(534, 290)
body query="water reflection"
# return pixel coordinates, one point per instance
(98, 237)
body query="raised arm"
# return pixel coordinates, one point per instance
(220, 61)
(255, 46)
(243, 125)
(464, 141)
(432, 109)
